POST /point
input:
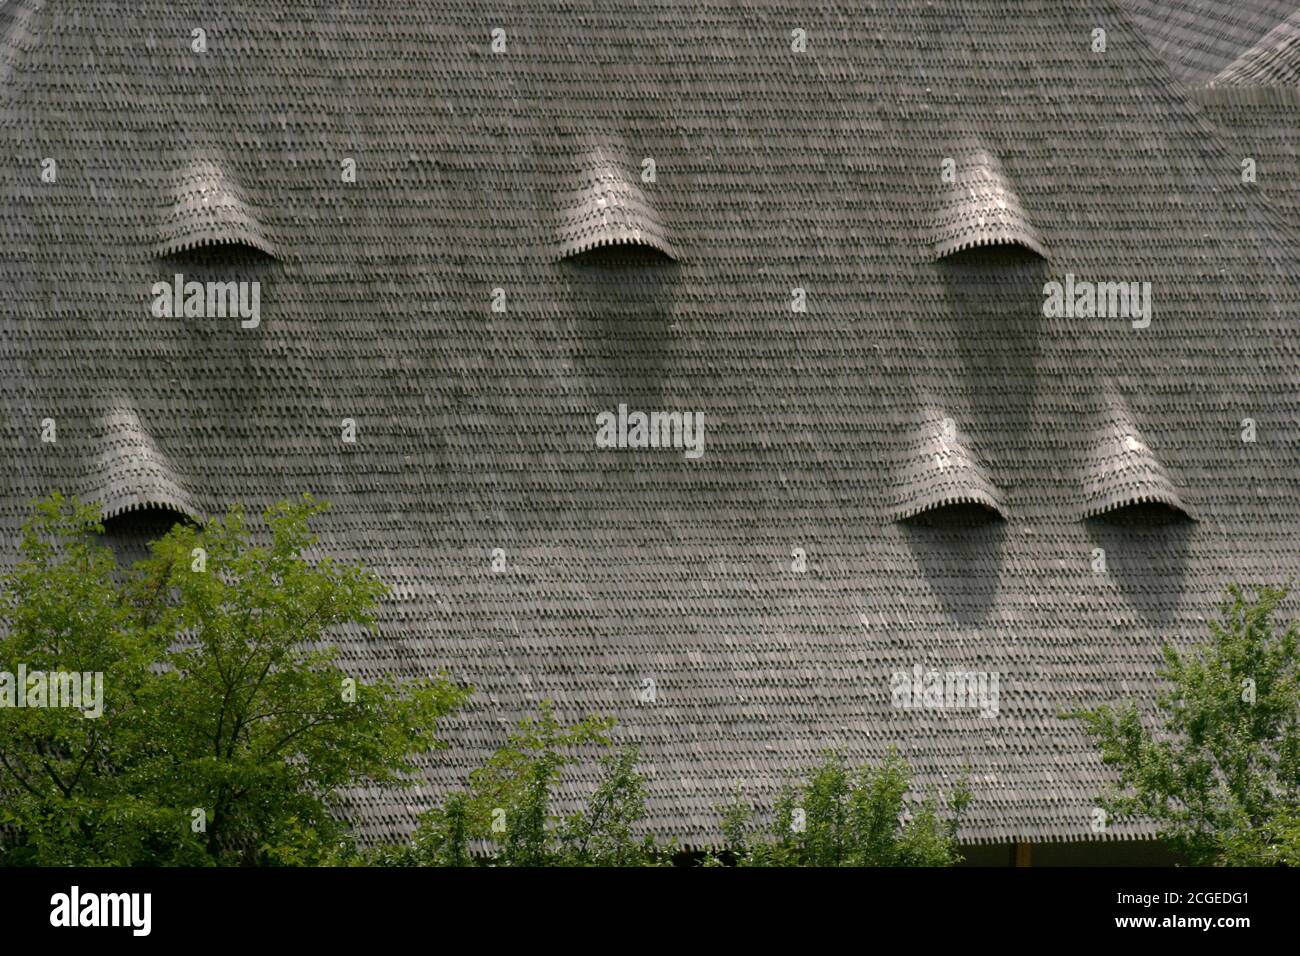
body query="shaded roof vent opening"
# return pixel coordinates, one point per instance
(155, 518)
(994, 257)
(979, 209)
(210, 219)
(129, 533)
(1143, 513)
(608, 220)
(218, 255)
(629, 254)
(955, 514)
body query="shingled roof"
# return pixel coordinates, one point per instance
(805, 317)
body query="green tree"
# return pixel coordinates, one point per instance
(843, 818)
(509, 807)
(602, 833)
(513, 791)
(1217, 768)
(227, 723)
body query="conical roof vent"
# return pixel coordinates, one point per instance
(608, 207)
(940, 469)
(1121, 470)
(129, 471)
(209, 208)
(980, 208)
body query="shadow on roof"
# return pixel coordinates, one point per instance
(619, 322)
(1147, 547)
(960, 551)
(993, 319)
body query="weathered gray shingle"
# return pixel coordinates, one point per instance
(776, 171)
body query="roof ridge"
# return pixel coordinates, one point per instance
(1274, 59)
(1212, 136)
(16, 34)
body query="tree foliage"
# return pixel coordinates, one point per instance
(227, 725)
(1217, 768)
(843, 817)
(508, 810)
